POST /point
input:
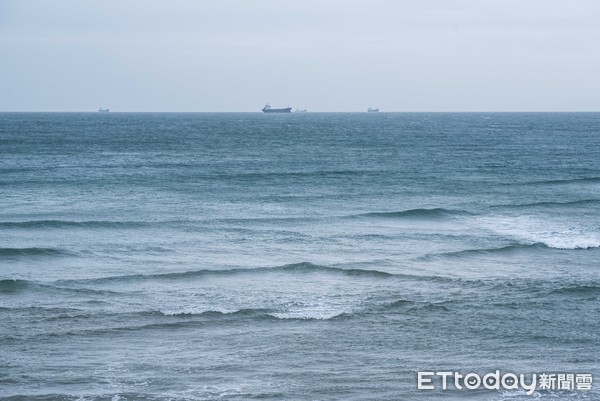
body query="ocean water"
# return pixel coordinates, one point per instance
(240, 256)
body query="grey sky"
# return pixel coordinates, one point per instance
(337, 55)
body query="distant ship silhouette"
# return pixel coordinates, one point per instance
(268, 109)
(101, 110)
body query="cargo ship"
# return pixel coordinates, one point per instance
(101, 110)
(268, 109)
(370, 110)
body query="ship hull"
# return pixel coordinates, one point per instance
(286, 110)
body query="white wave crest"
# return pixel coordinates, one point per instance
(558, 233)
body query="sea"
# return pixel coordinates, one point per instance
(309, 256)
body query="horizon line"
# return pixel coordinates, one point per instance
(307, 112)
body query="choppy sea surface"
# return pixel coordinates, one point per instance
(310, 256)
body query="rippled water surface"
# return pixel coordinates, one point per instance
(295, 257)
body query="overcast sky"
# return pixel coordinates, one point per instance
(323, 55)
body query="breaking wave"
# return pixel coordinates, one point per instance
(485, 251)
(582, 289)
(416, 213)
(583, 202)
(249, 312)
(413, 306)
(557, 233)
(571, 243)
(20, 252)
(13, 285)
(291, 268)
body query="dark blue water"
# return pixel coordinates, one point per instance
(295, 257)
